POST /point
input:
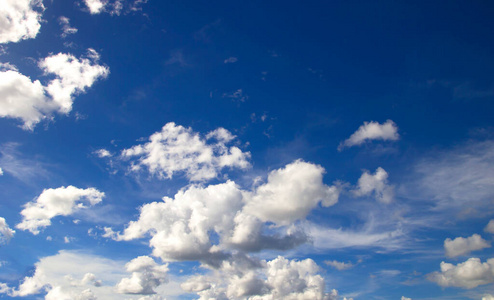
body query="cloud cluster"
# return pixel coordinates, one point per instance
(462, 246)
(376, 184)
(181, 227)
(30, 101)
(113, 7)
(62, 201)
(146, 275)
(388, 131)
(468, 274)
(6, 233)
(20, 20)
(179, 149)
(66, 28)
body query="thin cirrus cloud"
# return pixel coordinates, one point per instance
(31, 102)
(62, 201)
(177, 149)
(462, 246)
(388, 131)
(20, 20)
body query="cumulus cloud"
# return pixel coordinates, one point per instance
(6, 233)
(339, 265)
(181, 227)
(179, 149)
(490, 227)
(468, 274)
(376, 184)
(462, 246)
(30, 101)
(146, 275)
(101, 153)
(20, 19)
(62, 201)
(488, 297)
(95, 6)
(388, 131)
(66, 28)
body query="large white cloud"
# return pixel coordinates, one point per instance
(6, 233)
(388, 131)
(462, 246)
(30, 101)
(62, 201)
(146, 275)
(19, 19)
(468, 274)
(376, 184)
(179, 149)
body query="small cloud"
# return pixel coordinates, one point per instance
(66, 28)
(238, 95)
(68, 239)
(176, 57)
(340, 266)
(102, 153)
(230, 60)
(490, 227)
(462, 246)
(387, 131)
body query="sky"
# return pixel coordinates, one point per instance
(246, 149)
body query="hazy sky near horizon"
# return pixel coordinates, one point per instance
(246, 149)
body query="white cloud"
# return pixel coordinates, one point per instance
(66, 28)
(6, 233)
(146, 275)
(179, 149)
(376, 184)
(405, 298)
(101, 153)
(490, 227)
(462, 246)
(468, 274)
(388, 131)
(31, 102)
(488, 297)
(113, 7)
(1, 172)
(231, 60)
(237, 95)
(340, 266)
(62, 201)
(20, 19)
(96, 6)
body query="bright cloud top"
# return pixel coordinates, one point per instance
(95, 6)
(19, 19)
(388, 131)
(146, 275)
(31, 102)
(462, 246)
(179, 149)
(180, 228)
(468, 274)
(6, 233)
(376, 184)
(62, 201)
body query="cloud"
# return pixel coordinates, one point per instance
(237, 95)
(490, 227)
(179, 149)
(1, 172)
(5, 232)
(24, 169)
(462, 246)
(146, 275)
(66, 28)
(468, 274)
(340, 266)
(231, 60)
(388, 131)
(30, 101)
(62, 201)
(101, 153)
(405, 298)
(181, 228)
(96, 6)
(376, 184)
(279, 278)
(20, 20)
(488, 297)
(113, 7)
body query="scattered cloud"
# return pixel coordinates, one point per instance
(62, 201)
(490, 227)
(468, 274)
(339, 265)
(376, 184)
(237, 95)
(20, 20)
(388, 131)
(95, 6)
(179, 149)
(6, 233)
(231, 60)
(462, 246)
(146, 275)
(66, 28)
(102, 153)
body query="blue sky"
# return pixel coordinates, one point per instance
(246, 149)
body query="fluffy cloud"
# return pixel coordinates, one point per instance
(62, 201)
(5, 232)
(179, 149)
(20, 19)
(95, 6)
(490, 227)
(181, 227)
(388, 131)
(245, 278)
(102, 153)
(30, 101)
(114, 7)
(66, 28)
(468, 274)
(146, 275)
(461, 246)
(340, 266)
(377, 184)
(1, 172)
